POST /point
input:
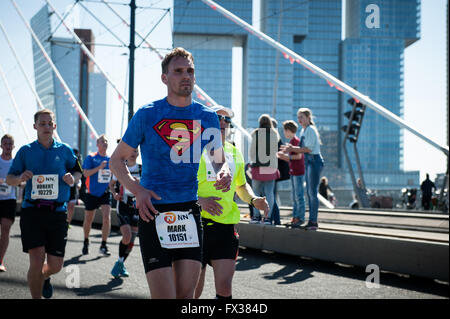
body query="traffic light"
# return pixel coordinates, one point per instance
(355, 117)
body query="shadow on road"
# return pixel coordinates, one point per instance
(100, 289)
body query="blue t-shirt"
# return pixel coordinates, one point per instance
(57, 160)
(172, 140)
(95, 184)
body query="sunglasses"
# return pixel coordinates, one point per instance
(227, 119)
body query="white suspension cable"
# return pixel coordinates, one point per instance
(55, 69)
(13, 100)
(88, 53)
(2, 125)
(198, 90)
(36, 95)
(332, 81)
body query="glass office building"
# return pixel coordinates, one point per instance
(371, 61)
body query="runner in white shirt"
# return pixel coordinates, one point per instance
(7, 196)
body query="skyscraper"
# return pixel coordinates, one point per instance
(78, 72)
(377, 34)
(273, 85)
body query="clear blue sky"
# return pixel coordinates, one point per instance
(425, 71)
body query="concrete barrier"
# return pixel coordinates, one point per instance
(412, 257)
(405, 256)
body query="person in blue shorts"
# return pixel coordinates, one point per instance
(98, 175)
(172, 134)
(49, 169)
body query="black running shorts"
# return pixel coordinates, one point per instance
(153, 255)
(220, 241)
(44, 227)
(8, 209)
(127, 214)
(93, 202)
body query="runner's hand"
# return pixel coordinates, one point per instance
(260, 203)
(223, 181)
(144, 204)
(68, 178)
(103, 164)
(211, 205)
(26, 176)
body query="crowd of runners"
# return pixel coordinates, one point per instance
(179, 202)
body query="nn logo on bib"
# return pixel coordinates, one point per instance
(41, 179)
(170, 218)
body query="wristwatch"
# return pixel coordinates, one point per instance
(251, 201)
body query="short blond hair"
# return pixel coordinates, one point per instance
(43, 111)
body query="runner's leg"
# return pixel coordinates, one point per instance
(35, 275)
(200, 284)
(106, 223)
(186, 273)
(54, 265)
(87, 223)
(223, 276)
(4, 238)
(161, 283)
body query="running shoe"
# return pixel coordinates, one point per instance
(124, 272)
(2, 268)
(47, 289)
(117, 269)
(267, 221)
(85, 250)
(255, 221)
(105, 251)
(312, 226)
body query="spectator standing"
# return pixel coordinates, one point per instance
(310, 146)
(263, 156)
(297, 172)
(427, 191)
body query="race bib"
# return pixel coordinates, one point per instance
(177, 230)
(211, 174)
(5, 189)
(44, 186)
(104, 176)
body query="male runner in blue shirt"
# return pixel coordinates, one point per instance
(98, 175)
(49, 169)
(172, 133)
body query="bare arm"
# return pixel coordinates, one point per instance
(295, 149)
(245, 192)
(15, 180)
(92, 171)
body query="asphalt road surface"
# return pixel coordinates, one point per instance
(259, 275)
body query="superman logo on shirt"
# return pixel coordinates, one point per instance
(178, 134)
